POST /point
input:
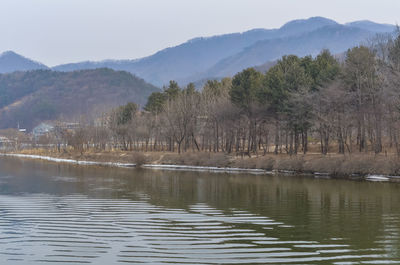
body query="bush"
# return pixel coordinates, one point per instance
(392, 166)
(139, 158)
(245, 163)
(197, 159)
(266, 163)
(295, 163)
(331, 165)
(362, 165)
(172, 159)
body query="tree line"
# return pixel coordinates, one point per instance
(343, 105)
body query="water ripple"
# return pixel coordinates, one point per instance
(46, 229)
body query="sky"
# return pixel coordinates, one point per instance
(63, 31)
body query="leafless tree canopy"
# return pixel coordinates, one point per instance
(300, 105)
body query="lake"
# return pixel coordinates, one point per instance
(59, 213)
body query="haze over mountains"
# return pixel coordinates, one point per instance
(225, 55)
(31, 92)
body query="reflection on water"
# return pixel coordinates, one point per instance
(53, 213)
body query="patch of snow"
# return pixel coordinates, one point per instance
(377, 178)
(71, 161)
(209, 169)
(151, 166)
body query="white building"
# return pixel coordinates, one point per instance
(42, 129)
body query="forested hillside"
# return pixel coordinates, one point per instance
(225, 55)
(344, 107)
(30, 97)
(336, 38)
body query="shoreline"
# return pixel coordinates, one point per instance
(69, 161)
(177, 167)
(147, 166)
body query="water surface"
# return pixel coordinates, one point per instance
(53, 213)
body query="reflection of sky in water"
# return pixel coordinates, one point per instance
(43, 228)
(51, 213)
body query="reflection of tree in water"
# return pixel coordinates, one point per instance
(362, 214)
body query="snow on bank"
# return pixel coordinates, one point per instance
(151, 166)
(378, 178)
(71, 161)
(375, 178)
(208, 169)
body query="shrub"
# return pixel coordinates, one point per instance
(361, 165)
(139, 158)
(197, 159)
(266, 163)
(331, 165)
(294, 163)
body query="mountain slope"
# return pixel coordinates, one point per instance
(31, 97)
(301, 26)
(372, 26)
(336, 38)
(11, 62)
(197, 55)
(203, 58)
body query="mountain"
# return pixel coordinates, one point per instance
(224, 55)
(31, 93)
(29, 98)
(372, 26)
(300, 26)
(198, 55)
(337, 38)
(330, 35)
(11, 62)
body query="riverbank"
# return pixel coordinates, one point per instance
(130, 165)
(360, 166)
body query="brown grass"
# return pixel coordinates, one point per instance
(198, 159)
(334, 164)
(139, 158)
(291, 163)
(331, 165)
(360, 164)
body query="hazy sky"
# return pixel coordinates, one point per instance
(61, 31)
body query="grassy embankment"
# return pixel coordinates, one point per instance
(333, 164)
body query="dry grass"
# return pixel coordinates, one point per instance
(323, 164)
(266, 163)
(291, 163)
(262, 162)
(197, 159)
(245, 162)
(336, 165)
(139, 158)
(360, 164)
(36, 151)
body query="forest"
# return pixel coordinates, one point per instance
(323, 104)
(31, 97)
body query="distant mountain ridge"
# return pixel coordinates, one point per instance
(196, 56)
(337, 38)
(11, 62)
(224, 55)
(371, 26)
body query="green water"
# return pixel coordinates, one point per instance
(52, 213)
